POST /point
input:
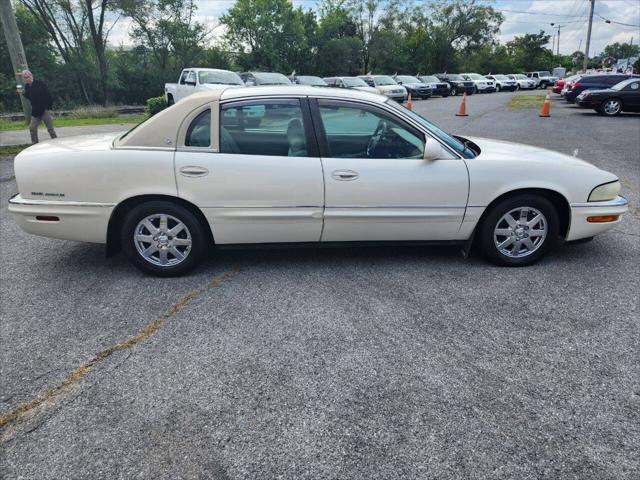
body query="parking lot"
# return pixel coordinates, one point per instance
(376, 363)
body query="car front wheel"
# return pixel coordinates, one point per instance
(163, 238)
(497, 88)
(454, 91)
(519, 230)
(611, 107)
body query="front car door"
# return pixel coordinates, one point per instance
(258, 179)
(377, 185)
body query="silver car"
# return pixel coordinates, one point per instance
(524, 82)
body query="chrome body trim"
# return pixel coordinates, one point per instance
(619, 201)
(18, 200)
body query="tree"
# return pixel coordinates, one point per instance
(267, 34)
(620, 50)
(339, 50)
(529, 52)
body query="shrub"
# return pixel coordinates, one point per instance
(155, 105)
(94, 111)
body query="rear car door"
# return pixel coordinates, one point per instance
(377, 184)
(258, 179)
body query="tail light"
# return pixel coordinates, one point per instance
(575, 85)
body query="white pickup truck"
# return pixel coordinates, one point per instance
(198, 79)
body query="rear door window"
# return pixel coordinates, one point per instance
(264, 127)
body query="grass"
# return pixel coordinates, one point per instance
(73, 121)
(11, 150)
(527, 101)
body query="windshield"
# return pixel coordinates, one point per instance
(219, 78)
(354, 82)
(272, 79)
(544, 74)
(384, 80)
(624, 83)
(429, 79)
(500, 77)
(520, 76)
(311, 80)
(455, 76)
(474, 76)
(452, 142)
(407, 79)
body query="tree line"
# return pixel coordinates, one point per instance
(67, 43)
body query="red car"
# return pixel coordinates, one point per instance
(557, 87)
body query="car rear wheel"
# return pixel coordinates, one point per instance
(163, 238)
(611, 107)
(519, 230)
(170, 100)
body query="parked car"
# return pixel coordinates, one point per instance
(622, 97)
(457, 84)
(595, 82)
(193, 80)
(350, 82)
(309, 80)
(503, 82)
(439, 87)
(417, 88)
(560, 83)
(386, 86)
(322, 167)
(568, 84)
(481, 84)
(264, 78)
(523, 82)
(542, 78)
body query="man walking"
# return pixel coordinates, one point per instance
(38, 94)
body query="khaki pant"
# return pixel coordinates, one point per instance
(35, 121)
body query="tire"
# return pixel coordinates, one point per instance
(517, 87)
(170, 100)
(611, 107)
(532, 247)
(475, 89)
(454, 91)
(543, 85)
(497, 88)
(190, 241)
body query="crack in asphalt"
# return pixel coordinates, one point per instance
(51, 394)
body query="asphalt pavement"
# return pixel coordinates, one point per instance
(348, 363)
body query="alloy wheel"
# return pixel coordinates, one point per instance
(611, 107)
(520, 232)
(162, 240)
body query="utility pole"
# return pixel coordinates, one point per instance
(586, 50)
(554, 38)
(16, 51)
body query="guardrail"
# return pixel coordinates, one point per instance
(125, 109)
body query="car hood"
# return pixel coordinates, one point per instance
(595, 91)
(366, 89)
(386, 88)
(508, 151)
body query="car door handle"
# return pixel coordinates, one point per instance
(194, 171)
(344, 175)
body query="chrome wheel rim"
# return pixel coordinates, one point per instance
(611, 106)
(162, 240)
(520, 232)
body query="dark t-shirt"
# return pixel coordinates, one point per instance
(39, 96)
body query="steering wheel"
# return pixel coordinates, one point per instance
(377, 137)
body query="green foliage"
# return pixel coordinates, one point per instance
(155, 105)
(620, 50)
(528, 51)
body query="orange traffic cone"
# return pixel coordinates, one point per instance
(409, 102)
(463, 107)
(546, 107)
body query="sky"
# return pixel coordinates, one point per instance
(521, 16)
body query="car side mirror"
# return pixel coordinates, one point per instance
(433, 151)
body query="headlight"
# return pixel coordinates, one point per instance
(605, 192)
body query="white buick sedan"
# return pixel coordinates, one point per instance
(295, 164)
